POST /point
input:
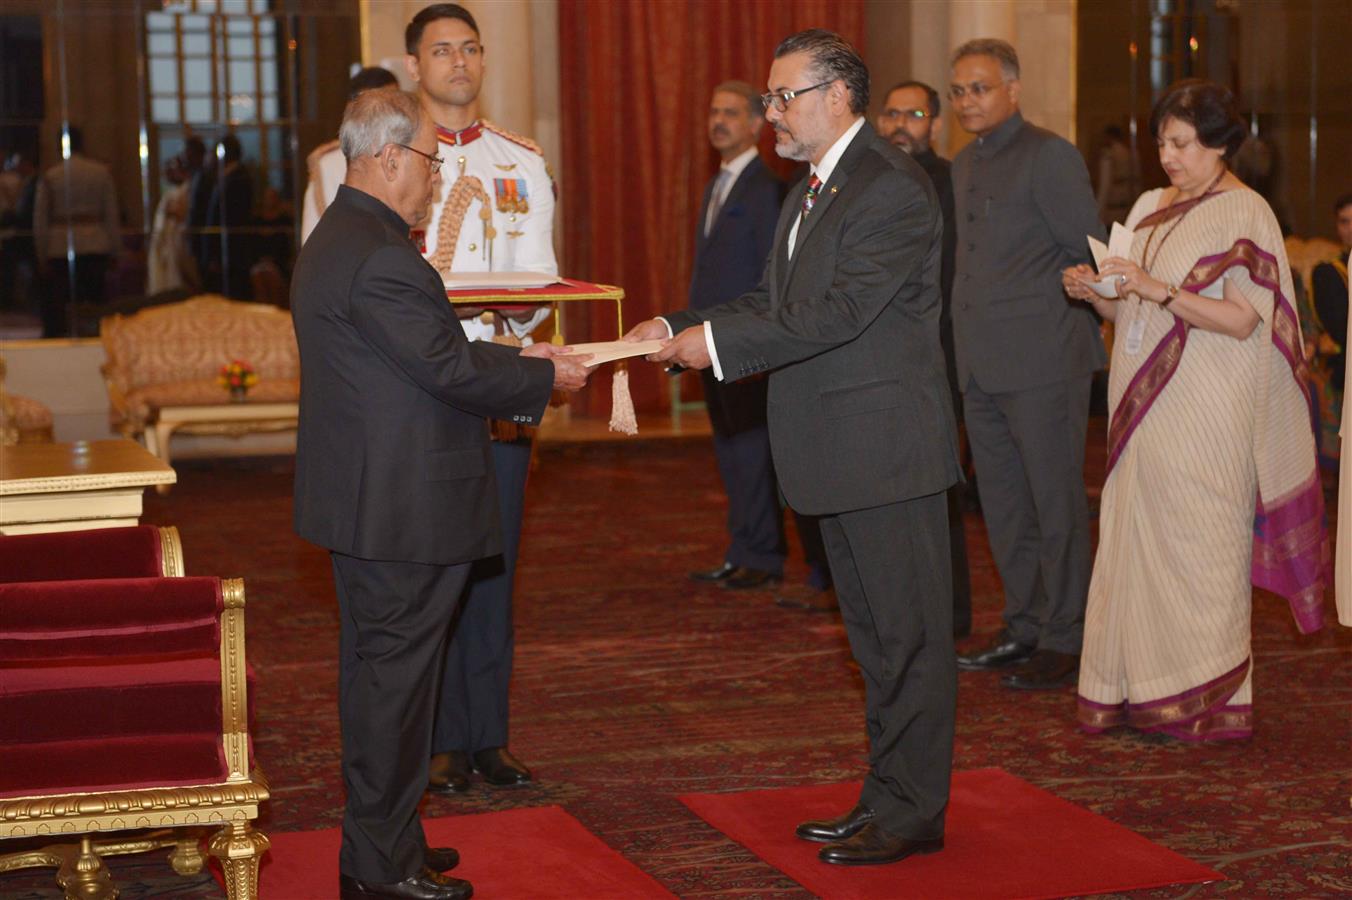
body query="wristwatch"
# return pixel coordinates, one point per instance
(1170, 292)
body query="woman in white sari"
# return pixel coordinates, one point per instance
(1212, 478)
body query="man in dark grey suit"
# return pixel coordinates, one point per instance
(393, 476)
(846, 322)
(1025, 358)
(910, 120)
(732, 241)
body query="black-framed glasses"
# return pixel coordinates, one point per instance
(433, 161)
(780, 100)
(977, 89)
(906, 114)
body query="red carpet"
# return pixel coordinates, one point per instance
(1005, 839)
(555, 857)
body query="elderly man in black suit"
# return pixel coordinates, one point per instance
(1026, 355)
(732, 241)
(846, 323)
(393, 475)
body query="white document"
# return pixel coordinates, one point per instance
(1119, 244)
(497, 281)
(609, 351)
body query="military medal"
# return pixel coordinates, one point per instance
(513, 197)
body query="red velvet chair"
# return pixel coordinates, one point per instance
(123, 706)
(136, 551)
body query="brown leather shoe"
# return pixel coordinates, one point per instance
(448, 773)
(825, 831)
(499, 767)
(1001, 652)
(806, 597)
(745, 579)
(873, 846)
(1045, 670)
(426, 885)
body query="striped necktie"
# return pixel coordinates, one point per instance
(813, 186)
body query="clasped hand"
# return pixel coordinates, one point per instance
(686, 349)
(1131, 279)
(570, 370)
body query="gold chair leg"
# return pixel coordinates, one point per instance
(239, 847)
(187, 858)
(86, 877)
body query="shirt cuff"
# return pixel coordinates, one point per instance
(713, 351)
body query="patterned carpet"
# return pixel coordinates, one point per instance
(633, 686)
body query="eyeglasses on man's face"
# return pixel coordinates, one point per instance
(893, 115)
(433, 161)
(780, 100)
(977, 89)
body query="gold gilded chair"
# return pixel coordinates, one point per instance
(23, 420)
(125, 708)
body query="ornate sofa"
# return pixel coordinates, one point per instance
(162, 364)
(23, 420)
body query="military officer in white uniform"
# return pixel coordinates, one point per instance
(495, 213)
(326, 164)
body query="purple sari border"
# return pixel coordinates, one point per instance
(1290, 554)
(1191, 692)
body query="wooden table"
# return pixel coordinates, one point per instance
(76, 486)
(233, 419)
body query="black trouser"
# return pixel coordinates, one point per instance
(90, 287)
(473, 702)
(891, 570)
(394, 624)
(742, 447)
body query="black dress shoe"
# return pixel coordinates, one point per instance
(749, 579)
(499, 767)
(425, 885)
(441, 859)
(874, 847)
(724, 571)
(824, 831)
(448, 773)
(1045, 670)
(1002, 652)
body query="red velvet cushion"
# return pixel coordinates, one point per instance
(42, 623)
(100, 701)
(113, 764)
(131, 552)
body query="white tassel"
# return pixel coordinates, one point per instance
(622, 418)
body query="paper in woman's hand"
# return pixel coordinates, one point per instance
(1119, 244)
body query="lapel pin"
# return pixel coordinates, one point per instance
(834, 189)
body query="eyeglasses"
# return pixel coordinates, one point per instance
(433, 161)
(907, 114)
(780, 100)
(977, 89)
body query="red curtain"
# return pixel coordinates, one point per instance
(636, 80)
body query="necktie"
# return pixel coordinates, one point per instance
(715, 201)
(813, 186)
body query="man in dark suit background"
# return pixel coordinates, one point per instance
(1025, 355)
(393, 475)
(846, 323)
(732, 241)
(910, 120)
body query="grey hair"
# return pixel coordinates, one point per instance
(376, 118)
(1002, 51)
